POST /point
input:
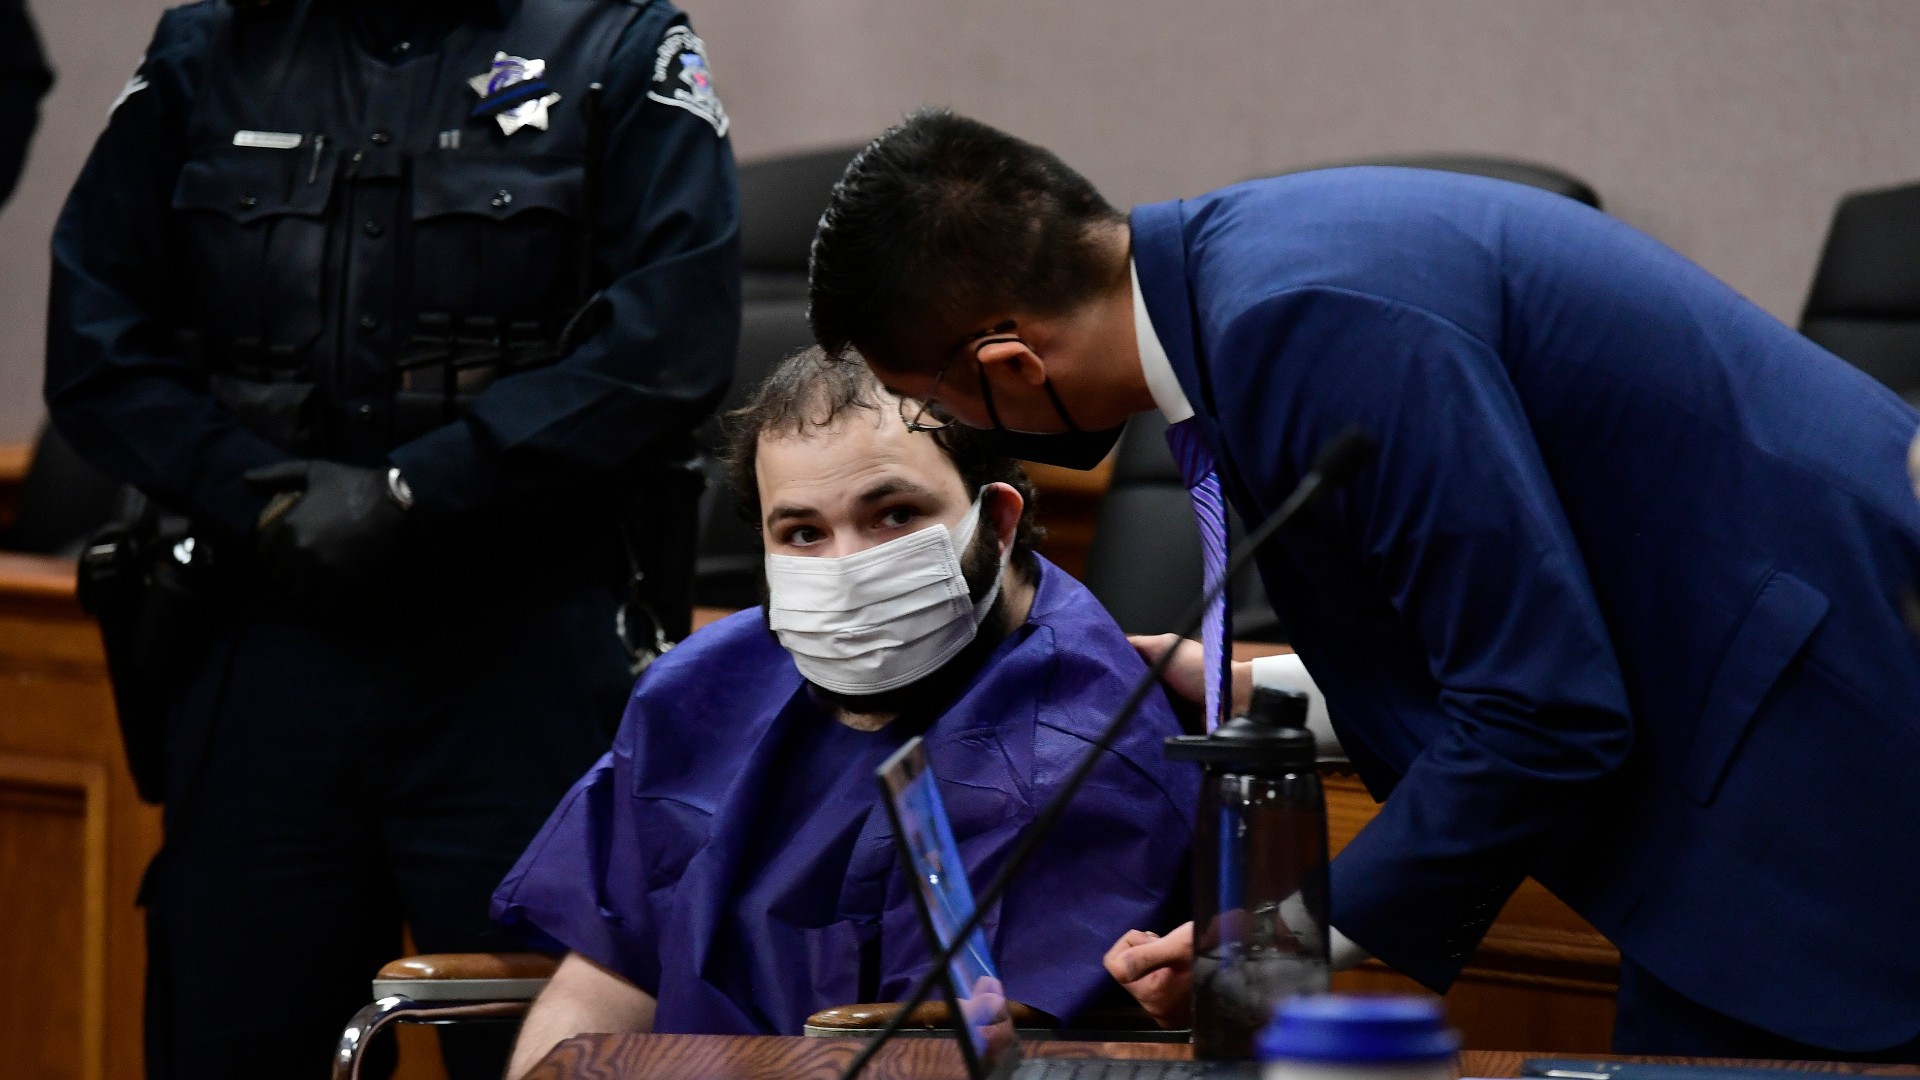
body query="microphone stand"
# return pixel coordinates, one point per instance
(1336, 463)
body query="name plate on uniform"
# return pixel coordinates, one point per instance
(268, 140)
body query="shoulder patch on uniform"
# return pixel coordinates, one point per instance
(134, 86)
(682, 79)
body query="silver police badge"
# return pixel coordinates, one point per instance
(514, 91)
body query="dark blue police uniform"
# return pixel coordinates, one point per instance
(366, 233)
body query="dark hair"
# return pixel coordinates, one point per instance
(943, 220)
(810, 389)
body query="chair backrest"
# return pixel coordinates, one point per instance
(1544, 177)
(780, 204)
(63, 500)
(781, 200)
(1865, 302)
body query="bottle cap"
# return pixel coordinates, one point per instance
(1272, 735)
(1343, 1029)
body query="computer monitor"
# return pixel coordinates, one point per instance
(972, 984)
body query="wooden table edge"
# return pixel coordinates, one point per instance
(724, 1057)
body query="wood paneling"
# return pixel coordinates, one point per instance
(74, 840)
(53, 871)
(13, 468)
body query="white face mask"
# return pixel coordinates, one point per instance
(881, 618)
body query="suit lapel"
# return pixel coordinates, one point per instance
(1160, 257)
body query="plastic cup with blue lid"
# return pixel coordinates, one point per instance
(1360, 1037)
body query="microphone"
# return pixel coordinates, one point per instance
(1338, 461)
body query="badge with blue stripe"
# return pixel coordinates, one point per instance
(515, 92)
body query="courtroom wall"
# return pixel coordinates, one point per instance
(1726, 128)
(94, 46)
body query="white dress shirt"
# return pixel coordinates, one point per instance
(1167, 395)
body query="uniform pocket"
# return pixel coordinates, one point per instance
(496, 238)
(256, 234)
(1784, 614)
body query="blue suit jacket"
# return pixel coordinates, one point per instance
(1619, 605)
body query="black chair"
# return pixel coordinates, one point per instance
(1544, 177)
(63, 500)
(1865, 303)
(780, 204)
(1144, 564)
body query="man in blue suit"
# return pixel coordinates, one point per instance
(1618, 606)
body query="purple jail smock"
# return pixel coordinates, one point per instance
(731, 855)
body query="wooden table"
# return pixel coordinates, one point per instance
(773, 1057)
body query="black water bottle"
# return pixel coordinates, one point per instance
(1260, 872)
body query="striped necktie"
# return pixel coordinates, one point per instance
(1203, 487)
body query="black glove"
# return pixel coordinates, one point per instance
(327, 529)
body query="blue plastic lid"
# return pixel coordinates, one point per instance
(1340, 1029)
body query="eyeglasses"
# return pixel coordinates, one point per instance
(924, 413)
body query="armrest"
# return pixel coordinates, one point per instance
(1254, 650)
(466, 977)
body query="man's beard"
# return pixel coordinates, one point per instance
(930, 695)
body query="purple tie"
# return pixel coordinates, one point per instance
(1203, 487)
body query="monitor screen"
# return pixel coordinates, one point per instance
(926, 839)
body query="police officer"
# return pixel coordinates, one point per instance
(24, 79)
(405, 307)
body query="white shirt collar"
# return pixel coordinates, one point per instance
(1161, 383)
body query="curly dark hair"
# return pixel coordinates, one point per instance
(810, 389)
(943, 220)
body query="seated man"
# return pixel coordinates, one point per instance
(729, 866)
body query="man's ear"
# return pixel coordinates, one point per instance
(1015, 356)
(1005, 505)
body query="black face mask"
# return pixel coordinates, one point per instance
(1080, 450)
(1069, 449)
